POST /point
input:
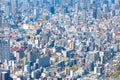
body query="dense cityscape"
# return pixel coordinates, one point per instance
(59, 39)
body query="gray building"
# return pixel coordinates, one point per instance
(91, 58)
(44, 61)
(4, 50)
(32, 55)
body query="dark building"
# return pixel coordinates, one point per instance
(113, 1)
(4, 75)
(44, 61)
(95, 13)
(52, 10)
(32, 55)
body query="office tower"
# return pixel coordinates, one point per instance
(90, 60)
(99, 16)
(95, 13)
(17, 6)
(52, 10)
(27, 68)
(71, 3)
(57, 2)
(4, 40)
(32, 55)
(85, 3)
(0, 14)
(52, 2)
(36, 74)
(37, 9)
(4, 50)
(45, 37)
(44, 61)
(4, 74)
(14, 6)
(41, 3)
(106, 2)
(102, 57)
(113, 1)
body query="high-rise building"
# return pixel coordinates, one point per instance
(14, 6)
(71, 2)
(32, 55)
(113, 1)
(90, 60)
(4, 40)
(4, 50)
(4, 75)
(17, 5)
(44, 61)
(0, 14)
(95, 13)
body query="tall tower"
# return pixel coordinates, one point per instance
(85, 12)
(14, 6)
(4, 39)
(17, 6)
(0, 14)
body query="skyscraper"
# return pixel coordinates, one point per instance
(4, 40)
(4, 74)
(17, 5)
(4, 50)
(95, 13)
(0, 15)
(14, 6)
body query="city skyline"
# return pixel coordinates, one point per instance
(59, 39)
